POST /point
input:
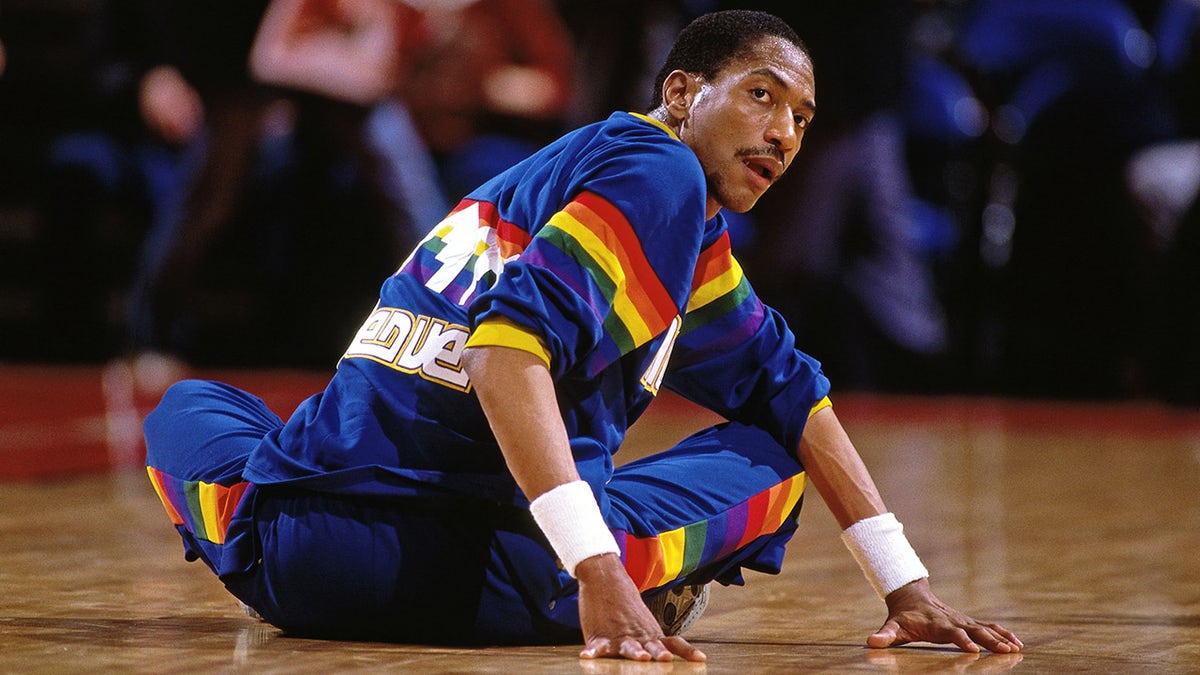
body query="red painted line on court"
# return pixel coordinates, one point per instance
(66, 420)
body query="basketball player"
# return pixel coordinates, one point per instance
(455, 482)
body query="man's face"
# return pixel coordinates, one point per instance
(746, 123)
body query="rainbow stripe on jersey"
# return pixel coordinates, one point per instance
(595, 235)
(589, 244)
(721, 293)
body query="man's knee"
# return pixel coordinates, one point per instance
(201, 428)
(162, 426)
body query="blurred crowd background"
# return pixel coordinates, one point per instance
(996, 196)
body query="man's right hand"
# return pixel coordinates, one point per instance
(517, 395)
(615, 621)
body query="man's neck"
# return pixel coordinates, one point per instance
(659, 114)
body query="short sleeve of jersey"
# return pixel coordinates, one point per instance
(611, 261)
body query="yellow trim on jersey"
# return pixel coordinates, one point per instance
(501, 332)
(656, 123)
(821, 405)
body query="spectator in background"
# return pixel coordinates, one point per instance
(1072, 98)
(357, 52)
(1164, 179)
(78, 165)
(200, 92)
(837, 253)
(348, 50)
(618, 48)
(195, 94)
(1180, 377)
(492, 85)
(342, 62)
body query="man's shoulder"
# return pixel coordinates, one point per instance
(634, 164)
(629, 129)
(635, 144)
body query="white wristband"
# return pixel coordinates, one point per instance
(571, 520)
(882, 551)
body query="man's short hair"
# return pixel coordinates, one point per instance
(711, 41)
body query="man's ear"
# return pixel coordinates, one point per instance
(679, 90)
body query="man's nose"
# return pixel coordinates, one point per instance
(782, 133)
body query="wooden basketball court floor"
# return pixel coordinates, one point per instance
(1076, 525)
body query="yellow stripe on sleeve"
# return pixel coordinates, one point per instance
(501, 332)
(821, 405)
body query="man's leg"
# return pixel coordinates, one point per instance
(326, 565)
(723, 499)
(197, 442)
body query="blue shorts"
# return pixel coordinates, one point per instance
(439, 570)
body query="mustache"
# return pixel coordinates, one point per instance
(762, 151)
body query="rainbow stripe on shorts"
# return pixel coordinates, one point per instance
(656, 561)
(204, 509)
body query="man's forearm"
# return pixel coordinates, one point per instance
(833, 465)
(875, 538)
(517, 394)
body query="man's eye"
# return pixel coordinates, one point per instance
(801, 122)
(758, 92)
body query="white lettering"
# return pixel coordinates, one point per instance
(445, 346)
(657, 370)
(420, 345)
(382, 335)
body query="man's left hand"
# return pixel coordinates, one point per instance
(916, 615)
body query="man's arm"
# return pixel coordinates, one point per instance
(352, 56)
(517, 394)
(914, 613)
